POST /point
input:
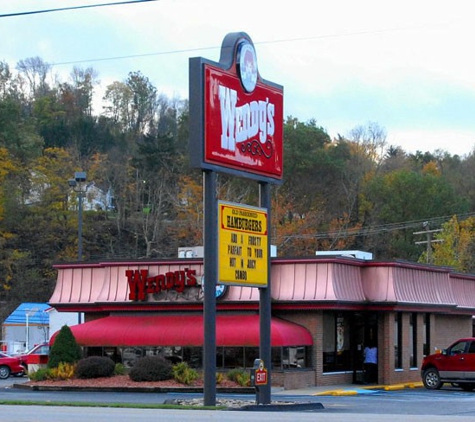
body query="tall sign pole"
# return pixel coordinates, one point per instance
(236, 127)
(209, 300)
(265, 311)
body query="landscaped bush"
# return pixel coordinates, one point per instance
(151, 368)
(95, 367)
(184, 374)
(41, 374)
(242, 377)
(63, 371)
(120, 369)
(65, 349)
(219, 377)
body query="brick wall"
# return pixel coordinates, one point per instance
(448, 328)
(444, 330)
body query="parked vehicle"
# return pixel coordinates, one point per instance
(38, 355)
(455, 365)
(10, 365)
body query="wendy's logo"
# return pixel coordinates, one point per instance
(247, 65)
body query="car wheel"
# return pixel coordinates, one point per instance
(467, 386)
(4, 372)
(431, 379)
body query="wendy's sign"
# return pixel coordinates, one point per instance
(236, 117)
(141, 284)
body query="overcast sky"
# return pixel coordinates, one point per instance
(407, 65)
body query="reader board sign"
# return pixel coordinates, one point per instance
(242, 245)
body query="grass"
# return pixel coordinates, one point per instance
(115, 405)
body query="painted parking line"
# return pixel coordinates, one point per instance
(369, 390)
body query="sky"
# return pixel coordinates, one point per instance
(405, 65)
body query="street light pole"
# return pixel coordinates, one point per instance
(80, 187)
(80, 198)
(27, 339)
(28, 313)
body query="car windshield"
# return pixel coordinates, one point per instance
(39, 350)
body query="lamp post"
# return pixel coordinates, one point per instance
(78, 184)
(28, 313)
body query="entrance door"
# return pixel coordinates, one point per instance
(365, 332)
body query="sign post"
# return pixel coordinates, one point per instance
(236, 127)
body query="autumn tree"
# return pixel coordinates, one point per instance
(455, 246)
(406, 198)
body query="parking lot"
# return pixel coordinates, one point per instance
(448, 402)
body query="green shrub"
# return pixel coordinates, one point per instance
(240, 376)
(41, 374)
(219, 377)
(151, 368)
(65, 349)
(95, 367)
(184, 374)
(120, 369)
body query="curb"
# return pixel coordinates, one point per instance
(354, 392)
(241, 390)
(293, 407)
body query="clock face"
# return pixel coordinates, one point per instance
(220, 288)
(247, 66)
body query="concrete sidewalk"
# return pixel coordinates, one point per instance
(346, 390)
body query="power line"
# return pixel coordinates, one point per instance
(265, 42)
(134, 56)
(371, 231)
(62, 9)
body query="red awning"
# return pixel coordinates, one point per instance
(185, 330)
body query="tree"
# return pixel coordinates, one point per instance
(188, 227)
(132, 103)
(456, 245)
(65, 349)
(404, 199)
(17, 129)
(155, 187)
(35, 70)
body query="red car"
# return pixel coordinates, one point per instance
(10, 365)
(36, 355)
(455, 365)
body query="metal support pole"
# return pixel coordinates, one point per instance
(27, 342)
(265, 302)
(80, 198)
(210, 273)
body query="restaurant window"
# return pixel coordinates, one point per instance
(398, 341)
(193, 356)
(426, 335)
(336, 343)
(250, 355)
(233, 357)
(291, 357)
(413, 339)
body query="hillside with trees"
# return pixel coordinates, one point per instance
(351, 192)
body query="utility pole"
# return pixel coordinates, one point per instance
(428, 240)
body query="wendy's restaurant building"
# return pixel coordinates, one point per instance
(324, 312)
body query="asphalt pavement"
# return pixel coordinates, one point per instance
(395, 403)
